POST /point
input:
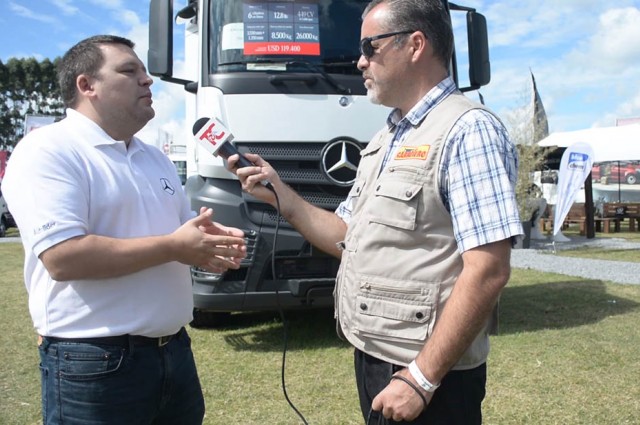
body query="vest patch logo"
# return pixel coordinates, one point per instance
(413, 152)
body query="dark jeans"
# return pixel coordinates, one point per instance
(97, 384)
(457, 401)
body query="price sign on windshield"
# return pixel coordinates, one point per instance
(281, 29)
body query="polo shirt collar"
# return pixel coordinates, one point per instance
(95, 135)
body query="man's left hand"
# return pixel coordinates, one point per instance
(398, 401)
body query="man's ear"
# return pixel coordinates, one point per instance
(84, 85)
(419, 44)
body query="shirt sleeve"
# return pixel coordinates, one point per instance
(49, 199)
(345, 208)
(479, 168)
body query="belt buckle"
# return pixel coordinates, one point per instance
(164, 340)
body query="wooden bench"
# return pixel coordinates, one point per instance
(619, 211)
(576, 215)
(604, 224)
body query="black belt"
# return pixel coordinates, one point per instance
(120, 340)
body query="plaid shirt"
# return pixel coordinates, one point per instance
(478, 171)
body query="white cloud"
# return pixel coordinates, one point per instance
(169, 105)
(65, 6)
(129, 18)
(28, 13)
(109, 4)
(615, 45)
(627, 109)
(584, 54)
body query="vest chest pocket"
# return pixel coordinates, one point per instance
(395, 312)
(395, 203)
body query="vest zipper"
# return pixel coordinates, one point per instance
(368, 286)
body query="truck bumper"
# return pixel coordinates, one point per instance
(297, 277)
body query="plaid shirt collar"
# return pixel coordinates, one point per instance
(422, 108)
(402, 125)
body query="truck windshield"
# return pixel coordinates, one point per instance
(300, 36)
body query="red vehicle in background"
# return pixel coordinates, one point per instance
(3, 162)
(616, 172)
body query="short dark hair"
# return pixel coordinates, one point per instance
(427, 16)
(83, 58)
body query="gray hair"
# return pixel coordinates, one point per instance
(427, 16)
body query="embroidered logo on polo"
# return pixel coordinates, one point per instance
(413, 152)
(166, 186)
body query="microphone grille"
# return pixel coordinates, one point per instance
(199, 124)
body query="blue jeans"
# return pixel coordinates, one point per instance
(458, 400)
(97, 384)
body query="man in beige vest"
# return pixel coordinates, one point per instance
(426, 232)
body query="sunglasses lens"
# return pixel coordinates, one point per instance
(366, 48)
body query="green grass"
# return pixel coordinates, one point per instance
(628, 255)
(19, 375)
(566, 353)
(12, 232)
(573, 231)
(598, 253)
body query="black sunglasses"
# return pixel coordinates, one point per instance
(367, 50)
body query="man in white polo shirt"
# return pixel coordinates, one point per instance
(108, 237)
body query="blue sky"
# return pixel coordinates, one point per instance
(585, 54)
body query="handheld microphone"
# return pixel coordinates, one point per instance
(212, 135)
(215, 138)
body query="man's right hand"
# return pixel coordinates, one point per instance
(320, 227)
(209, 245)
(251, 178)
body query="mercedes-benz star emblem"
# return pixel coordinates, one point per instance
(340, 161)
(166, 186)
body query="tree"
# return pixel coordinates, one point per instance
(527, 126)
(27, 86)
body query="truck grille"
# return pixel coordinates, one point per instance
(251, 239)
(300, 165)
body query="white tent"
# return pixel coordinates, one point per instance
(620, 143)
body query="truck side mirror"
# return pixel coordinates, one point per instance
(160, 54)
(479, 66)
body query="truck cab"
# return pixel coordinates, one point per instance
(282, 77)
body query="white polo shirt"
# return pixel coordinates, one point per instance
(69, 179)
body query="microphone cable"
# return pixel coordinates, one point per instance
(285, 323)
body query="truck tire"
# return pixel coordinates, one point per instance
(3, 227)
(208, 319)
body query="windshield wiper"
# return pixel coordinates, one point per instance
(328, 78)
(248, 62)
(336, 62)
(310, 66)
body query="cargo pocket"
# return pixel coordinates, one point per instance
(395, 310)
(395, 203)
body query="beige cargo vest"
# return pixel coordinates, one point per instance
(400, 258)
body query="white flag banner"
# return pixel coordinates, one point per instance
(31, 122)
(575, 166)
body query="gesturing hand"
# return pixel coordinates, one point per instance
(209, 245)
